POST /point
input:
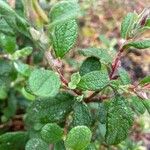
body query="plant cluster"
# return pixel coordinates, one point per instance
(99, 102)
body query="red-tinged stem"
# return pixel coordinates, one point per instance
(56, 66)
(147, 86)
(65, 82)
(115, 63)
(101, 98)
(113, 69)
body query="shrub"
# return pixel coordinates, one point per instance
(97, 104)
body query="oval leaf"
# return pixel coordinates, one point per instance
(44, 83)
(51, 133)
(78, 138)
(36, 144)
(119, 121)
(93, 81)
(64, 36)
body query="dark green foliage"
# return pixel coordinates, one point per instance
(119, 120)
(89, 65)
(51, 133)
(13, 140)
(81, 115)
(50, 110)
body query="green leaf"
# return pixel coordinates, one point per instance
(63, 11)
(124, 76)
(81, 115)
(11, 108)
(22, 68)
(78, 138)
(64, 36)
(127, 25)
(59, 145)
(101, 54)
(50, 110)
(13, 140)
(137, 105)
(3, 92)
(119, 120)
(51, 133)
(5, 28)
(7, 43)
(4, 86)
(44, 83)
(102, 113)
(6, 68)
(89, 65)
(91, 147)
(94, 80)
(27, 95)
(36, 144)
(147, 23)
(146, 103)
(142, 44)
(16, 22)
(145, 80)
(105, 40)
(21, 53)
(75, 79)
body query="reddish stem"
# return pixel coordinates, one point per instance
(101, 98)
(65, 82)
(115, 64)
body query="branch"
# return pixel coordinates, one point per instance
(100, 99)
(115, 64)
(56, 65)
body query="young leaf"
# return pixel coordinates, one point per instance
(101, 54)
(124, 76)
(78, 138)
(44, 83)
(22, 68)
(36, 144)
(119, 120)
(21, 53)
(13, 140)
(81, 115)
(27, 95)
(75, 79)
(127, 25)
(64, 36)
(94, 80)
(89, 65)
(142, 44)
(51, 133)
(50, 110)
(63, 11)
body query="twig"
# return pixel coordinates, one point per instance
(115, 63)
(56, 65)
(100, 99)
(114, 66)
